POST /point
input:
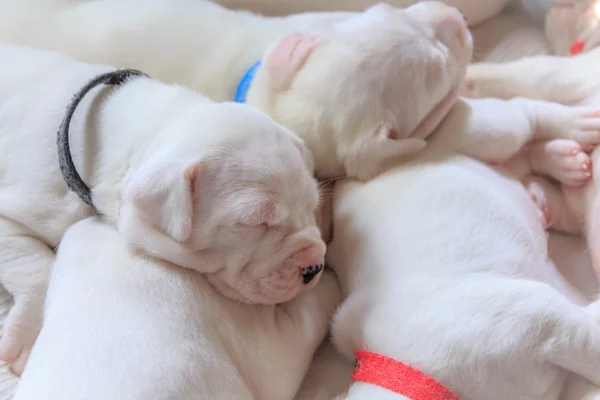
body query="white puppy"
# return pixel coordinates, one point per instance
(119, 325)
(218, 188)
(333, 78)
(444, 264)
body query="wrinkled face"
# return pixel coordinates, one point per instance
(569, 21)
(244, 207)
(369, 89)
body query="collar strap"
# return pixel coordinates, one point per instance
(65, 160)
(398, 377)
(242, 90)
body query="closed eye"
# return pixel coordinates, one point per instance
(263, 227)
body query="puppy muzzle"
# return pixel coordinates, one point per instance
(308, 274)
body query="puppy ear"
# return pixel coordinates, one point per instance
(380, 151)
(307, 156)
(286, 58)
(163, 192)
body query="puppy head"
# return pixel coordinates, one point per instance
(366, 92)
(238, 205)
(571, 20)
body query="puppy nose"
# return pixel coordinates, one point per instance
(310, 248)
(309, 273)
(310, 260)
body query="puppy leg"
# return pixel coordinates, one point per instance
(311, 312)
(496, 130)
(547, 78)
(571, 335)
(552, 203)
(561, 159)
(304, 323)
(25, 264)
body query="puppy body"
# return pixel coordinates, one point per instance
(151, 329)
(459, 291)
(157, 159)
(202, 45)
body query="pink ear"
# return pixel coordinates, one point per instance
(287, 57)
(381, 150)
(163, 192)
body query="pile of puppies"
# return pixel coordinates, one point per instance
(190, 261)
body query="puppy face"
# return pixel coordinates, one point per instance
(572, 20)
(241, 208)
(369, 90)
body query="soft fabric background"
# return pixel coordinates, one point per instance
(506, 37)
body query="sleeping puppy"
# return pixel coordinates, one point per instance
(447, 280)
(121, 325)
(217, 188)
(333, 78)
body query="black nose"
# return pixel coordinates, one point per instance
(309, 273)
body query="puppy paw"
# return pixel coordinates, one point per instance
(19, 333)
(563, 160)
(581, 124)
(18, 366)
(15, 353)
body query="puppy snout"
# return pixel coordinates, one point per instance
(309, 273)
(310, 260)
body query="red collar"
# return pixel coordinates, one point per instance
(576, 48)
(398, 377)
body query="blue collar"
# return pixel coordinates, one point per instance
(242, 89)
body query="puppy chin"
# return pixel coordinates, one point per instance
(273, 295)
(224, 288)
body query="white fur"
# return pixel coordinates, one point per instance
(119, 325)
(476, 11)
(329, 77)
(218, 188)
(444, 263)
